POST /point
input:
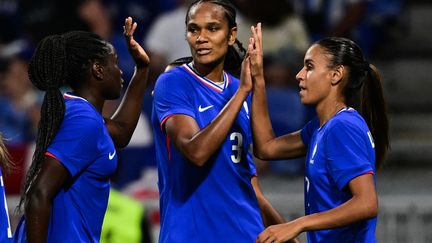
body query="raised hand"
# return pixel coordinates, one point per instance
(137, 52)
(245, 76)
(255, 52)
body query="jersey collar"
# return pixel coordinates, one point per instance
(207, 81)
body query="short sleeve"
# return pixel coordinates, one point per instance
(76, 143)
(348, 154)
(171, 97)
(308, 130)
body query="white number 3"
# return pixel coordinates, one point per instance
(236, 148)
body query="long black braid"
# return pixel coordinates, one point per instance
(59, 59)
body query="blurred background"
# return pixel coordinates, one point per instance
(395, 35)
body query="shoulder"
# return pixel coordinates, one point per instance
(176, 79)
(82, 115)
(347, 122)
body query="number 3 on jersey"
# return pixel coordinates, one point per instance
(237, 146)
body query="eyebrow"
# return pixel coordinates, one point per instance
(308, 60)
(206, 24)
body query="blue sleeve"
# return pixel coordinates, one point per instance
(171, 97)
(347, 152)
(76, 143)
(308, 130)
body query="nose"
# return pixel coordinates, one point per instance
(201, 37)
(300, 74)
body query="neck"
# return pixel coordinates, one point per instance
(98, 103)
(326, 110)
(214, 73)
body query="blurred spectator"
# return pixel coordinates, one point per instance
(9, 21)
(19, 109)
(44, 17)
(364, 21)
(166, 40)
(283, 28)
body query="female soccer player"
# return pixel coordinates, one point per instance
(5, 228)
(207, 180)
(67, 186)
(343, 146)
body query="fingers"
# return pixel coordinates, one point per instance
(257, 36)
(129, 28)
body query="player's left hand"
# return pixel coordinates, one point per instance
(256, 52)
(137, 52)
(279, 233)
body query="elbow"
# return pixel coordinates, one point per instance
(369, 210)
(260, 153)
(372, 211)
(35, 199)
(197, 159)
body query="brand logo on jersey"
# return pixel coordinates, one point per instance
(111, 156)
(202, 109)
(246, 108)
(312, 161)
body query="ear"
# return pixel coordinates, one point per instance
(97, 70)
(337, 75)
(232, 36)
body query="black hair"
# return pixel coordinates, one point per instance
(180, 61)
(59, 59)
(235, 55)
(362, 89)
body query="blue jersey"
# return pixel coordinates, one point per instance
(338, 151)
(5, 228)
(84, 147)
(216, 202)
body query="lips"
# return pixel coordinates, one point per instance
(203, 51)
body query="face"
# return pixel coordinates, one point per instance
(208, 34)
(315, 76)
(113, 82)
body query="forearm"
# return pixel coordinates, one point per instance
(37, 215)
(350, 212)
(270, 215)
(127, 114)
(208, 140)
(260, 120)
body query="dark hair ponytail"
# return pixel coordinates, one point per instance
(362, 89)
(374, 111)
(236, 53)
(47, 71)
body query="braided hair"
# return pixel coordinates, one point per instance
(362, 89)
(58, 60)
(235, 55)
